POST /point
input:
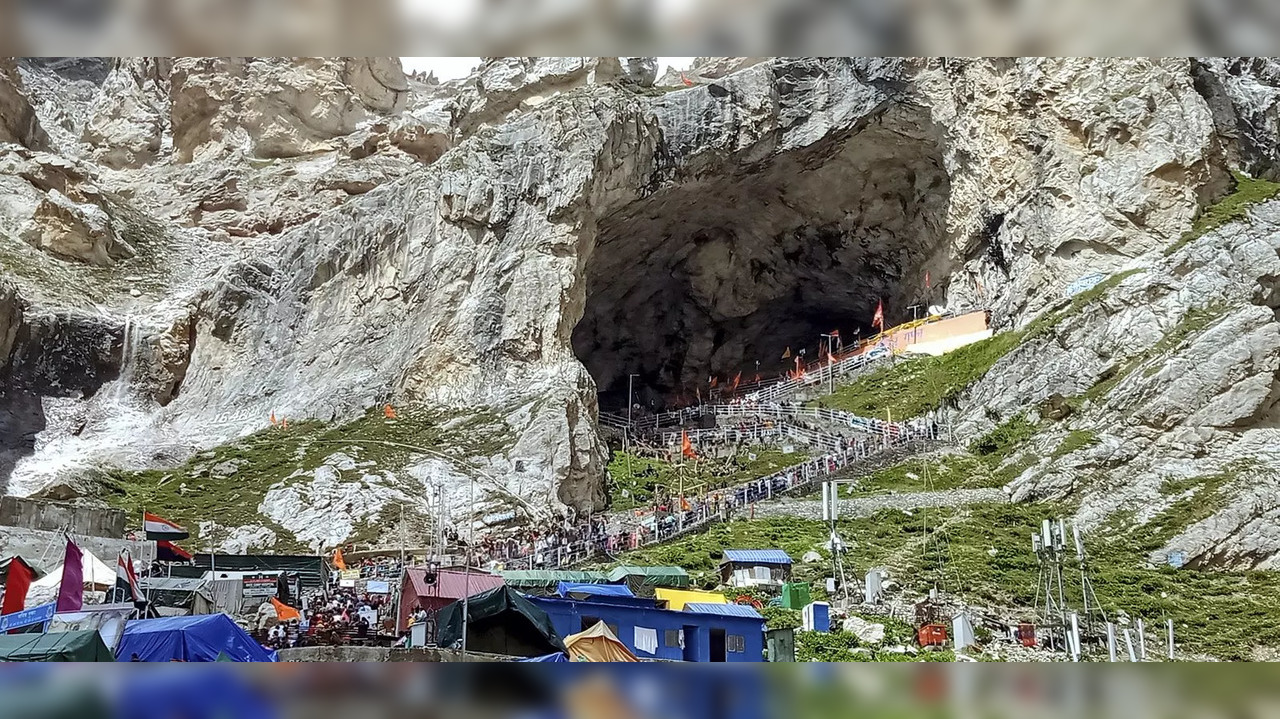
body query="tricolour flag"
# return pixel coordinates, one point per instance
(170, 552)
(159, 528)
(127, 579)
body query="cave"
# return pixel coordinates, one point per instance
(723, 272)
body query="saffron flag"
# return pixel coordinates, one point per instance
(687, 82)
(170, 552)
(389, 412)
(787, 354)
(736, 379)
(927, 284)
(684, 505)
(273, 419)
(686, 445)
(71, 592)
(284, 612)
(878, 319)
(713, 381)
(16, 585)
(127, 580)
(338, 561)
(159, 528)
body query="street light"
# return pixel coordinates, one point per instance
(831, 372)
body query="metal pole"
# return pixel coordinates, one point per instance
(1170, 624)
(1142, 641)
(466, 572)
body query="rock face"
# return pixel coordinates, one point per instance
(314, 237)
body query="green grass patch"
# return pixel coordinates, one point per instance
(636, 481)
(950, 471)
(1078, 439)
(1235, 206)
(227, 484)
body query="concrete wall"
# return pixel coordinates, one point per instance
(45, 549)
(56, 516)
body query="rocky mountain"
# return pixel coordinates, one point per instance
(195, 247)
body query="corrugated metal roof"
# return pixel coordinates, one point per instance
(451, 583)
(724, 610)
(757, 556)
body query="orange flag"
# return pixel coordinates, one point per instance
(273, 419)
(284, 612)
(338, 561)
(787, 354)
(686, 446)
(389, 412)
(684, 505)
(736, 379)
(687, 82)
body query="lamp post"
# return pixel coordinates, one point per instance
(466, 572)
(831, 372)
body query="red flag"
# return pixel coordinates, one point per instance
(16, 585)
(736, 379)
(170, 552)
(714, 381)
(686, 446)
(71, 593)
(687, 82)
(878, 319)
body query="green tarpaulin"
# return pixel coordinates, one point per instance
(80, 646)
(549, 579)
(795, 595)
(642, 580)
(500, 621)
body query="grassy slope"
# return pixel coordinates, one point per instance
(193, 491)
(1235, 206)
(640, 476)
(982, 553)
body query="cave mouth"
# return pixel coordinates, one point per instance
(724, 273)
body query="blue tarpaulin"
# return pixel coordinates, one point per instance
(564, 589)
(189, 639)
(556, 658)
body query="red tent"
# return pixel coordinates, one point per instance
(450, 586)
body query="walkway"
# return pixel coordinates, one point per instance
(867, 506)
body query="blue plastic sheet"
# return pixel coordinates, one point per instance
(189, 639)
(564, 589)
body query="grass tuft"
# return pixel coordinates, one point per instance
(1235, 206)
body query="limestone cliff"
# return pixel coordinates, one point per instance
(316, 237)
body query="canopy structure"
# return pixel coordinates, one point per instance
(549, 579)
(189, 639)
(572, 590)
(677, 598)
(642, 580)
(178, 595)
(500, 621)
(97, 575)
(597, 644)
(80, 646)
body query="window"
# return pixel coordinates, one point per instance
(672, 638)
(735, 643)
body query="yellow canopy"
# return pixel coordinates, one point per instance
(677, 598)
(597, 644)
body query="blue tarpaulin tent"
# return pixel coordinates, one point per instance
(564, 589)
(189, 639)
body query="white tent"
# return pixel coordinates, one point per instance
(97, 575)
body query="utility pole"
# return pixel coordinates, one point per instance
(466, 572)
(831, 370)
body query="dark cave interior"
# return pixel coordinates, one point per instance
(723, 271)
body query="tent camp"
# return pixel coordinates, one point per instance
(500, 621)
(597, 644)
(546, 580)
(80, 646)
(98, 577)
(175, 596)
(189, 639)
(642, 580)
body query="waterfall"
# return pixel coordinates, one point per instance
(131, 342)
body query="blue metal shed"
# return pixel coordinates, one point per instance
(757, 556)
(717, 633)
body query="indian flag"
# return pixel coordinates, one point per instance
(159, 528)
